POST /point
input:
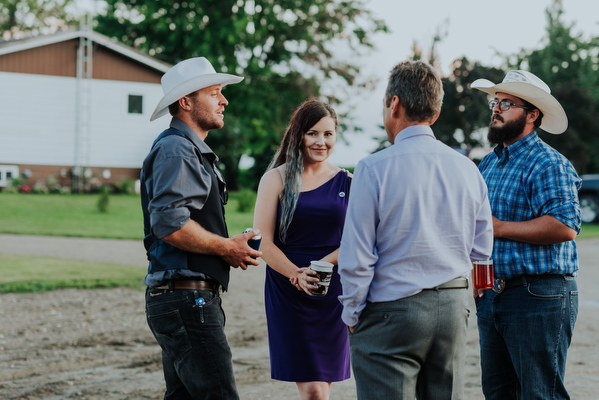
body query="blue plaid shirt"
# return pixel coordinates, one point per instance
(527, 180)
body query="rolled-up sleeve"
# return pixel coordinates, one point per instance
(181, 185)
(357, 255)
(554, 192)
(482, 247)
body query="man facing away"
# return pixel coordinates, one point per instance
(525, 324)
(419, 218)
(190, 253)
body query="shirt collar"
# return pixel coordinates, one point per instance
(181, 126)
(414, 130)
(517, 148)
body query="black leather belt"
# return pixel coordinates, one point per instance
(524, 280)
(190, 285)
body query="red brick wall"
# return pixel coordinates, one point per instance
(40, 173)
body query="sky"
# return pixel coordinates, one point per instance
(477, 29)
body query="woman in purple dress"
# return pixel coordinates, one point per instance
(300, 211)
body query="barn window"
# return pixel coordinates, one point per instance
(135, 104)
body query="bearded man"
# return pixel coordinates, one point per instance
(526, 322)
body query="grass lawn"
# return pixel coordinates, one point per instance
(589, 231)
(78, 215)
(19, 274)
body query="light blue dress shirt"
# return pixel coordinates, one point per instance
(418, 215)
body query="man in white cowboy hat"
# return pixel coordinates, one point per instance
(186, 238)
(526, 322)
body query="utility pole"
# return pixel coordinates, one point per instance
(83, 105)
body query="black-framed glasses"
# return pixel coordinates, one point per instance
(504, 105)
(224, 193)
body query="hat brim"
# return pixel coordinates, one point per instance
(190, 86)
(554, 121)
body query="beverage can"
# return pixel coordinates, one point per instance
(254, 242)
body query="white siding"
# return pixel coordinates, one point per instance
(38, 121)
(120, 139)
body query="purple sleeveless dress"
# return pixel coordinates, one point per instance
(308, 341)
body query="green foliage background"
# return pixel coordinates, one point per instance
(568, 63)
(287, 52)
(283, 49)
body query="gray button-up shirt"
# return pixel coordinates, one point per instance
(180, 184)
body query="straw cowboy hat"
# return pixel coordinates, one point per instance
(529, 87)
(186, 77)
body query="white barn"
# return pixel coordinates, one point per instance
(76, 105)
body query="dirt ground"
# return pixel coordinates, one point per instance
(95, 344)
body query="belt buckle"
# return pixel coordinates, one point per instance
(498, 285)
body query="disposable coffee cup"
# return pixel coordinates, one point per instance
(482, 274)
(324, 272)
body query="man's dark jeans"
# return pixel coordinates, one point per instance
(189, 326)
(524, 334)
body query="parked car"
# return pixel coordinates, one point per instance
(588, 196)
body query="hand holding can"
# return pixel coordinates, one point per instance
(254, 242)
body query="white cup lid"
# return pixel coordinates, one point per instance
(323, 264)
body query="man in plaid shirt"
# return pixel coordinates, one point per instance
(526, 322)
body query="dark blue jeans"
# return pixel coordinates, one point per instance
(196, 357)
(524, 335)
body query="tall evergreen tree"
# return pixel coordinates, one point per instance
(569, 64)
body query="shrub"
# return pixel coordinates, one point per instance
(14, 187)
(52, 184)
(104, 199)
(40, 187)
(125, 186)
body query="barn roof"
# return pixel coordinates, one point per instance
(13, 46)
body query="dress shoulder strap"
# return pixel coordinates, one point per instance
(280, 169)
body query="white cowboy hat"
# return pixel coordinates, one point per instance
(529, 87)
(187, 77)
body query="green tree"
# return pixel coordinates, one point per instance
(465, 110)
(283, 48)
(25, 17)
(569, 64)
